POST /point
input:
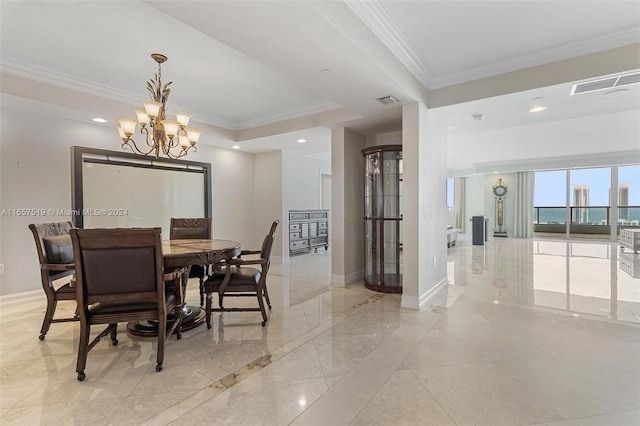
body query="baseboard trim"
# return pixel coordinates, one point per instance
(351, 278)
(427, 300)
(21, 297)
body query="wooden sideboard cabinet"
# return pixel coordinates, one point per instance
(308, 230)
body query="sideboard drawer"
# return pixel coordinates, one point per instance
(294, 227)
(298, 216)
(294, 245)
(317, 241)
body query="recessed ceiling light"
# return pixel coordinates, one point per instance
(236, 146)
(301, 140)
(99, 120)
(537, 108)
(325, 71)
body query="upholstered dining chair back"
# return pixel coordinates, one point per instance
(55, 257)
(189, 229)
(120, 278)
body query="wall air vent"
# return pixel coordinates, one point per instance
(388, 100)
(605, 83)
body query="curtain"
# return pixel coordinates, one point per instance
(523, 212)
(458, 203)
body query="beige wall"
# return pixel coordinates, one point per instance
(35, 173)
(347, 206)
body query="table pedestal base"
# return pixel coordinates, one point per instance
(192, 317)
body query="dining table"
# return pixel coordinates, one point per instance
(182, 254)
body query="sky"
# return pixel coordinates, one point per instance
(550, 186)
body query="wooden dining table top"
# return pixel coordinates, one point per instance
(187, 252)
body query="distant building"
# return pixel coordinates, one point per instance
(581, 199)
(623, 200)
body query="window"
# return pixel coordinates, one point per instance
(589, 200)
(549, 197)
(629, 196)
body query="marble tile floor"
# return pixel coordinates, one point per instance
(530, 332)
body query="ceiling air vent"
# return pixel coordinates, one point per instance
(388, 100)
(605, 83)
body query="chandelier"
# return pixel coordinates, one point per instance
(161, 135)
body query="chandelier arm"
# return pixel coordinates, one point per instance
(134, 147)
(148, 135)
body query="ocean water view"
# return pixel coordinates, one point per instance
(586, 215)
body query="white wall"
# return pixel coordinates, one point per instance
(303, 181)
(584, 142)
(35, 172)
(425, 214)
(388, 138)
(269, 200)
(474, 196)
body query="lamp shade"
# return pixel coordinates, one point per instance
(171, 127)
(193, 135)
(143, 117)
(183, 118)
(128, 125)
(152, 108)
(184, 141)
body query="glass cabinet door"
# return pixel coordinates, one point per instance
(383, 218)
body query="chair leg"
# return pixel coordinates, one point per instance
(48, 315)
(201, 291)
(264, 313)
(266, 296)
(113, 333)
(83, 350)
(178, 317)
(162, 334)
(207, 310)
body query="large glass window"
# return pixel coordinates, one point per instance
(549, 197)
(629, 196)
(590, 189)
(450, 193)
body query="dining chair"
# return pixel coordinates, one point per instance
(120, 278)
(236, 279)
(193, 228)
(55, 255)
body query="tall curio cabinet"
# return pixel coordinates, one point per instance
(383, 218)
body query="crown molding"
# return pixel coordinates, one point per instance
(55, 78)
(376, 17)
(547, 56)
(299, 112)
